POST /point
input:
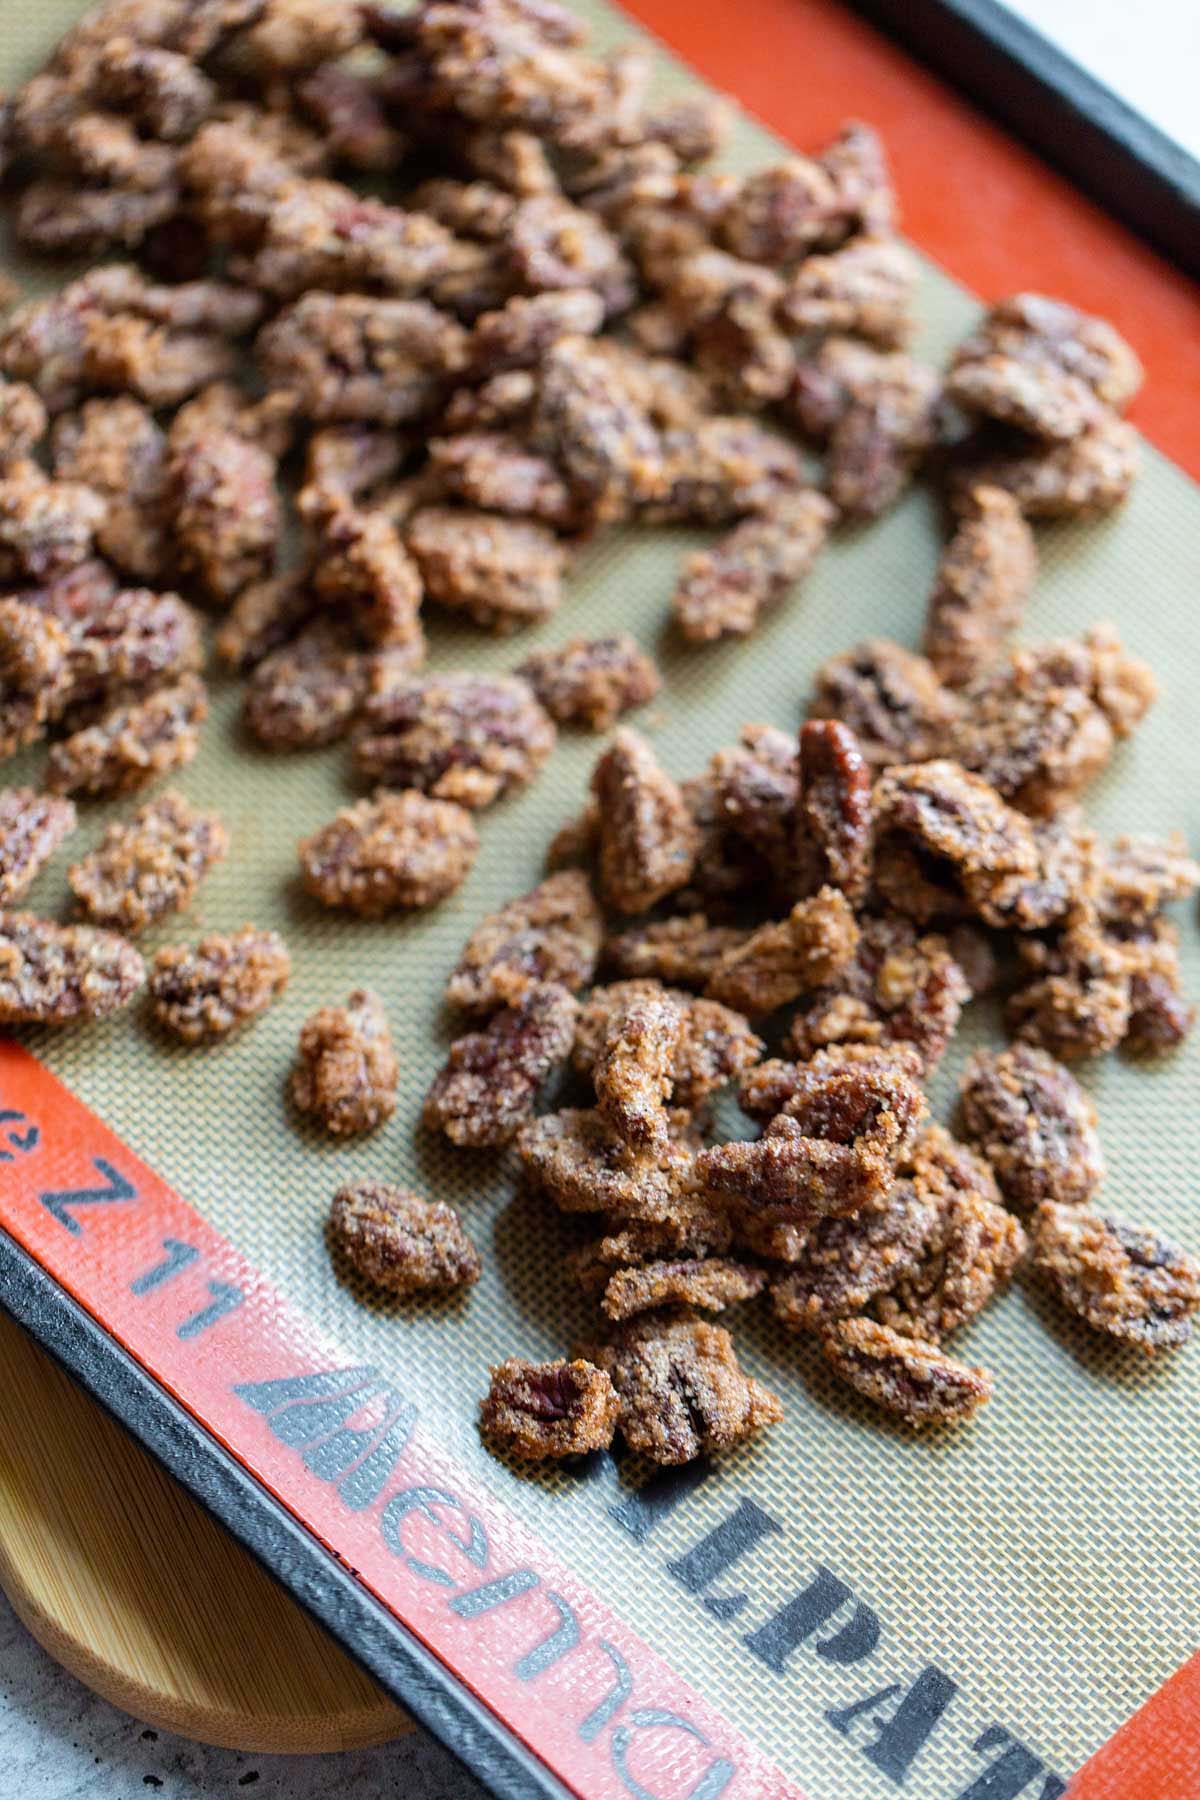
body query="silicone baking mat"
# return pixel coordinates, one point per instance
(960, 1615)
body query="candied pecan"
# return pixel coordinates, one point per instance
(554, 245)
(716, 470)
(1043, 366)
(34, 673)
(710, 1285)
(1077, 1001)
(844, 1263)
(788, 957)
(32, 826)
(285, 37)
(595, 430)
(361, 569)
(318, 235)
(855, 1093)
(516, 160)
(1041, 727)
(694, 126)
(224, 509)
(164, 93)
(53, 974)
(738, 349)
(352, 357)
(835, 809)
(348, 112)
(729, 869)
(865, 289)
(204, 306)
(23, 421)
(786, 1176)
(201, 993)
(1160, 1018)
(115, 447)
(397, 850)
(495, 472)
(491, 1079)
(1139, 875)
(126, 354)
(148, 864)
(473, 209)
(592, 681)
(497, 67)
(633, 1069)
(757, 785)
(120, 643)
(395, 1240)
(347, 1071)
(900, 988)
(1088, 476)
(264, 617)
(539, 1410)
(503, 573)
(887, 426)
(61, 218)
(682, 1392)
(132, 744)
(856, 163)
(521, 332)
(236, 168)
(462, 737)
(693, 1230)
(647, 837)
(779, 213)
(46, 527)
(582, 1165)
(309, 691)
(552, 933)
(970, 847)
(892, 700)
(1126, 1280)
(1035, 1125)
(715, 1043)
(724, 591)
(686, 950)
(347, 462)
(917, 1381)
(983, 581)
(973, 1250)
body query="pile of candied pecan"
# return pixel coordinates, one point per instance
(547, 317)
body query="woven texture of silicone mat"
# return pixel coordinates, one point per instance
(1044, 1558)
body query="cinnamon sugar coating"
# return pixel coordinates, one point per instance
(202, 993)
(538, 1410)
(396, 1241)
(346, 1074)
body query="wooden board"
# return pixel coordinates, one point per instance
(130, 1585)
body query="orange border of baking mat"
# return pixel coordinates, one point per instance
(349, 1458)
(973, 199)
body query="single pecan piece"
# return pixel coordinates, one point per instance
(32, 826)
(398, 850)
(394, 1240)
(1033, 1122)
(488, 1086)
(539, 1410)
(1126, 1280)
(203, 993)
(917, 1381)
(552, 933)
(682, 1392)
(648, 838)
(347, 1071)
(53, 974)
